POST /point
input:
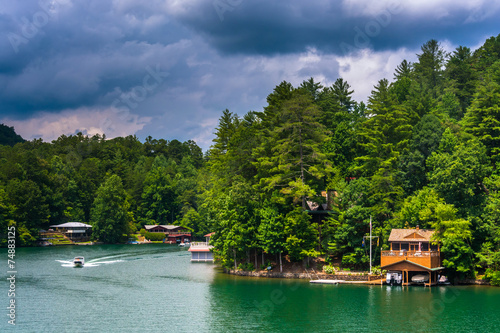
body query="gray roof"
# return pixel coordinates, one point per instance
(71, 225)
(168, 227)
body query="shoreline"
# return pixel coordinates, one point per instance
(345, 278)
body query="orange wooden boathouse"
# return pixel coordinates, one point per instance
(412, 253)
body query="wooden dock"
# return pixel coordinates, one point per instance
(377, 282)
(327, 281)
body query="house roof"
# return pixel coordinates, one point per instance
(164, 226)
(71, 225)
(209, 235)
(199, 249)
(411, 235)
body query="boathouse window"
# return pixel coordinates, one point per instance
(395, 246)
(405, 246)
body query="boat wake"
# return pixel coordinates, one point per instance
(90, 263)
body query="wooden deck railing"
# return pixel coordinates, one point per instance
(430, 259)
(410, 253)
(179, 233)
(199, 244)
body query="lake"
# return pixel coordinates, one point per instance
(155, 288)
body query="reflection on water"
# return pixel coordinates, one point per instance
(155, 288)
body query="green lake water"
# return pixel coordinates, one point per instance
(155, 288)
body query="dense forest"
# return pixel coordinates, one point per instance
(116, 185)
(424, 150)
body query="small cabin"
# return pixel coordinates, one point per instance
(75, 231)
(412, 253)
(173, 233)
(202, 251)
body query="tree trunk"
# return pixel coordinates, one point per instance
(255, 259)
(302, 167)
(281, 265)
(234, 253)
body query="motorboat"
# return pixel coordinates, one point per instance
(443, 280)
(393, 278)
(182, 244)
(420, 278)
(78, 262)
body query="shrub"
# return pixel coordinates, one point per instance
(493, 277)
(246, 267)
(154, 236)
(328, 269)
(142, 232)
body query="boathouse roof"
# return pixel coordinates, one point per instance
(411, 235)
(71, 225)
(168, 227)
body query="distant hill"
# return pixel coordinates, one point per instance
(8, 136)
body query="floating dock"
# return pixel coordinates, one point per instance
(327, 281)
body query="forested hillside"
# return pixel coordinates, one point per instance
(424, 150)
(121, 183)
(8, 136)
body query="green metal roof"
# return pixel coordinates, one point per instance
(411, 262)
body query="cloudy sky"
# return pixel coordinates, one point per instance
(167, 68)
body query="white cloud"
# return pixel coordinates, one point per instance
(50, 126)
(364, 70)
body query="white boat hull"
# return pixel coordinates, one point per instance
(420, 278)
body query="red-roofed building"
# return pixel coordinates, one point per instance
(173, 233)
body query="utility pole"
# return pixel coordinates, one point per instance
(370, 245)
(370, 237)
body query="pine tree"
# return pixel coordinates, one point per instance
(385, 134)
(109, 218)
(483, 116)
(295, 160)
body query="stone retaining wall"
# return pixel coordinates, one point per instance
(473, 281)
(284, 275)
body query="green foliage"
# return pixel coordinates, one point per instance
(458, 169)
(455, 236)
(493, 277)
(154, 236)
(109, 211)
(483, 116)
(328, 269)
(8, 136)
(246, 266)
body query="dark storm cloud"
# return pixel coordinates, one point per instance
(68, 65)
(67, 54)
(263, 27)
